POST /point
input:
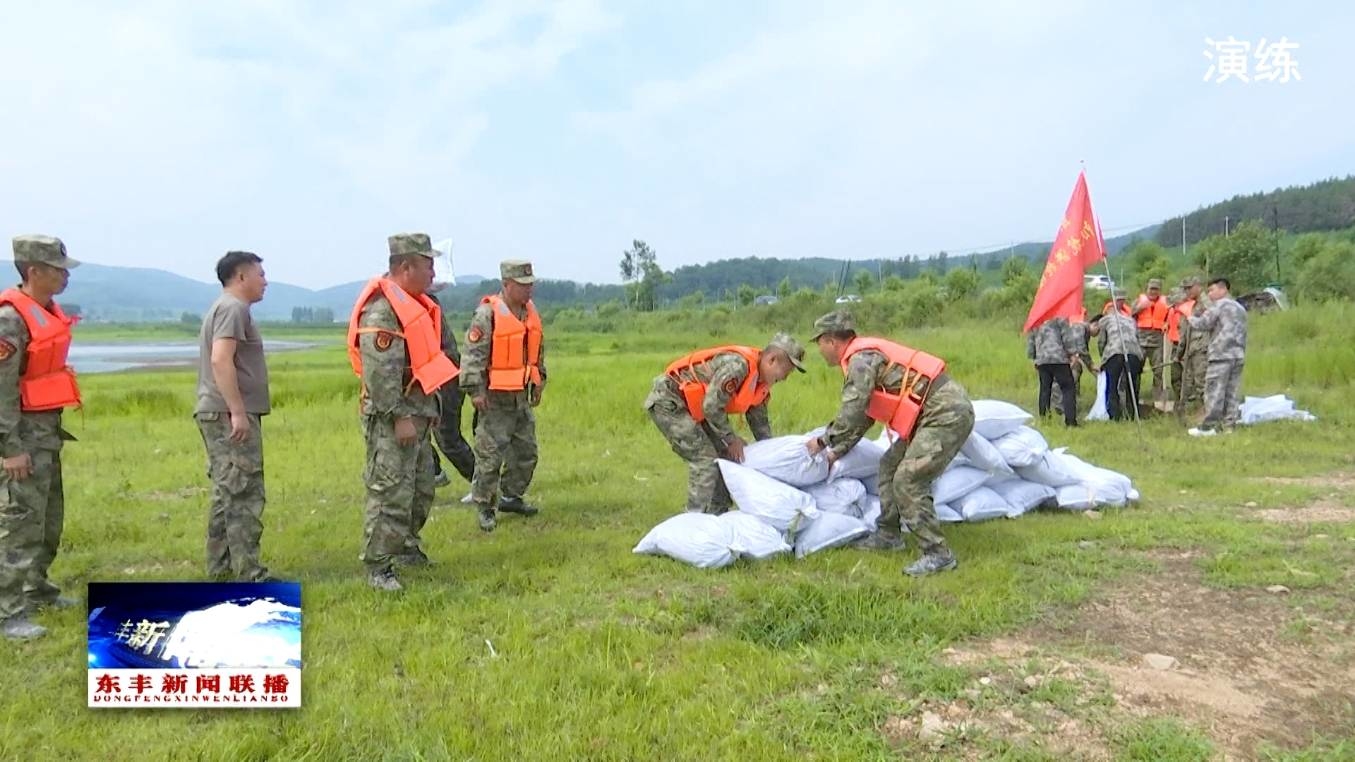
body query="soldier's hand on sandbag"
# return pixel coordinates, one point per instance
(734, 449)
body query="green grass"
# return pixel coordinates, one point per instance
(602, 654)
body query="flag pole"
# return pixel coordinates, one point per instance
(1105, 259)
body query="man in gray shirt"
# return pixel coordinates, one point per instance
(232, 399)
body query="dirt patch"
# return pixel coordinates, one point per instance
(1240, 674)
(1340, 481)
(1326, 511)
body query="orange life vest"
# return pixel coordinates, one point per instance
(899, 412)
(515, 351)
(1106, 309)
(420, 326)
(1183, 309)
(47, 383)
(751, 393)
(1154, 316)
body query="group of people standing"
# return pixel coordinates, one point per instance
(1202, 340)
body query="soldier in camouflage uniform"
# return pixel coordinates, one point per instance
(1192, 353)
(1227, 321)
(397, 416)
(505, 433)
(232, 400)
(1081, 334)
(1122, 359)
(722, 375)
(1151, 340)
(1052, 349)
(447, 434)
(910, 465)
(32, 502)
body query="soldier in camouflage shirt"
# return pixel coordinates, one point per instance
(911, 464)
(723, 378)
(32, 501)
(1052, 348)
(505, 434)
(1226, 320)
(397, 417)
(1121, 359)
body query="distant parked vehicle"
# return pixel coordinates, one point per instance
(766, 299)
(1097, 282)
(847, 299)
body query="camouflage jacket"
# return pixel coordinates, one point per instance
(21, 432)
(1082, 338)
(1118, 334)
(867, 371)
(723, 375)
(478, 346)
(388, 385)
(1051, 343)
(1227, 321)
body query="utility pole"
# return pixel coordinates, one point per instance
(1275, 233)
(1225, 226)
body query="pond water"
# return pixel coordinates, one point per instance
(106, 358)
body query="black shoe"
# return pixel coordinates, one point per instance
(515, 505)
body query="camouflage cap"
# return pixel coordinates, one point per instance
(43, 249)
(412, 243)
(1190, 281)
(1155, 283)
(837, 320)
(1117, 294)
(519, 270)
(787, 343)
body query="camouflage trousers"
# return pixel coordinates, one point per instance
(32, 513)
(706, 491)
(1222, 393)
(1056, 394)
(1192, 368)
(505, 448)
(909, 467)
(235, 514)
(1154, 354)
(400, 491)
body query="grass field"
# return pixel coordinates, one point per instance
(1029, 651)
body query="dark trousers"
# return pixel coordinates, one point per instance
(1122, 369)
(1061, 374)
(448, 433)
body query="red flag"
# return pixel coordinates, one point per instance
(1077, 246)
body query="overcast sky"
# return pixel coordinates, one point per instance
(162, 134)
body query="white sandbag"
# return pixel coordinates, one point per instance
(1087, 473)
(872, 484)
(1022, 496)
(1276, 407)
(780, 505)
(947, 515)
(961, 459)
(1080, 497)
(980, 453)
(786, 460)
(1050, 470)
(861, 460)
(829, 530)
(995, 418)
(753, 537)
(870, 512)
(982, 504)
(838, 496)
(1099, 411)
(957, 482)
(1022, 447)
(699, 539)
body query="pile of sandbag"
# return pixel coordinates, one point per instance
(1276, 407)
(789, 501)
